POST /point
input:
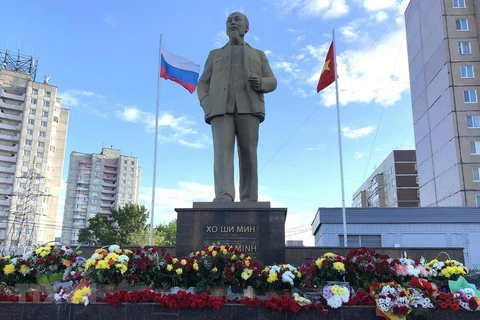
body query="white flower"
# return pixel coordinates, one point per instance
(113, 248)
(275, 269)
(334, 302)
(95, 256)
(122, 258)
(287, 276)
(14, 261)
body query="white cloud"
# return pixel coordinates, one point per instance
(351, 133)
(316, 147)
(268, 52)
(381, 16)
(255, 37)
(359, 155)
(221, 38)
(327, 9)
(300, 38)
(166, 200)
(172, 129)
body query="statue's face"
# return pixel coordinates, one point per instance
(236, 22)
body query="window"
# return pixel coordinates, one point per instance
(473, 121)
(30, 132)
(34, 91)
(28, 142)
(461, 24)
(464, 48)
(98, 167)
(39, 166)
(93, 207)
(25, 163)
(459, 3)
(476, 174)
(369, 241)
(124, 161)
(94, 200)
(31, 121)
(22, 185)
(45, 113)
(477, 197)
(467, 71)
(48, 93)
(133, 163)
(43, 124)
(40, 155)
(470, 96)
(26, 153)
(46, 103)
(33, 111)
(41, 144)
(42, 134)
(33, 101)
(393, 183)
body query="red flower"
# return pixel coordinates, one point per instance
(133, 277)
(324, 262)
(51, 257)
(324, 312)
(74, 260)
(62, 252)
(455, 306)
(41, 261)
(472, 304)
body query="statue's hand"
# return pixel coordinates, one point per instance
(255, 81)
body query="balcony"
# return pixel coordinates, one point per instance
(9, 137)
(9, 159)
(19, 117)
(111, 164)
(11, 148)
(79, 188)
(104, 198)
(112, 178)
(10, 106)
(107, 205)
(9, 126)
(105, 211)
(83, 181)
(7, 169)
(12, 95)
(109, 191)
(113, 171)
(6, 180)
(6, 190)
(77, 216)
(107, 184)
(5, 202)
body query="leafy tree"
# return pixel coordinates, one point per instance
(168, 232)
(122, 227)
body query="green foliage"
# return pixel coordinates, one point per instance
(126, 226)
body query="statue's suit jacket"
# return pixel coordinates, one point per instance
(212, 86)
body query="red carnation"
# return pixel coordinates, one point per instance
(41, 261)
(62, 252)
(74, 260)
(51, 257)
(324, 312)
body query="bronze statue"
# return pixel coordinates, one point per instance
(230, 91)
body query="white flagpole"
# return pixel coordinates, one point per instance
(344, 216)
(154, 184)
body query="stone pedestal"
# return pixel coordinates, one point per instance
(253, 228)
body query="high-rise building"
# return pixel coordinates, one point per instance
(33, 131)
(444, 62)
(97, 183)
(394, 183)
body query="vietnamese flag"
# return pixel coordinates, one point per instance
(327, 76)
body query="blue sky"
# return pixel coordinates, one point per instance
(103, 56)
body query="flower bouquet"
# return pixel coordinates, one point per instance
(280, 278)
(336, 294)
(446, 270)
(49, 262)
(75, 271)
(393, 301)
(108, 267)
(181, 273)
(141, 266)
(329, 267)
(217, 268)
(14, 270)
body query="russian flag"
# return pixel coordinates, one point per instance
(178, 69)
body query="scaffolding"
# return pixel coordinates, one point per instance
(17, 62)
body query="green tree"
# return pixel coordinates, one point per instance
(168, 232)
(122, 227)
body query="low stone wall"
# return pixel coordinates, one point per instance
(100, 311)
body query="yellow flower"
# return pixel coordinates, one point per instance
(183, 262)
(79, 294)
(247, 262)
(247, 273)
(298, 274)
(169, 267)
(88, 263)
(329, 255)
(197, 253)
(123, 268)
(174, 260)
(98, 251)
(214, 269)
(210, 248)
(9, 268)
(339, 266)
(272, 277)
(242, 256)
(222, 248)
(66, 262)
(126, 251)
(102, 264)
(267, 269)
(431, 263)
(202, 252)
(6, 258)
(224, 251)
(233, 257)
(318, 262)
(118, 251)
(214, 253)
(112, 255)
(24, 269)
(179, 271)
(195, 266)
(337, 290)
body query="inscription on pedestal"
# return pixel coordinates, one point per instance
(243, 237)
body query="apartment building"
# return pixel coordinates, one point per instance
(444, 63)
(97, 183)
(394, 183)
(33, 131)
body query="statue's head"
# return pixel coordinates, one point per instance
(237, 22)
